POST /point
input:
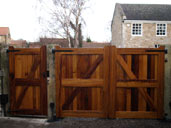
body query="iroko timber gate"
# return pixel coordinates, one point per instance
(28, 83)
(109, 82)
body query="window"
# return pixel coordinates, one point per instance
(161, 29)
(136, 29)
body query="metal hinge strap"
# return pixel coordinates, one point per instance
(165, 51)
(53, 50)
(12, 51)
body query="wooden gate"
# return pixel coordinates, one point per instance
(82, 82)
(137, 81)
(110, 82)
(27, 72)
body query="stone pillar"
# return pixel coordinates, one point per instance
(4, 68)
(167, 89)
(51, 81)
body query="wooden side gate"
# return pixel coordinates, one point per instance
(109, 82)
(27, 72)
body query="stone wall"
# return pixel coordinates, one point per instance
(4, 68)
(51, 80)
(148, 38)
(117, 27)
(167, 90)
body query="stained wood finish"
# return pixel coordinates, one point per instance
(28, 92)
(82, 82)
(109, 82)
(142, 78)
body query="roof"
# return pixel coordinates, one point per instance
(156, 12)
(4, 31)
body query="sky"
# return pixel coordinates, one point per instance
(21, 17)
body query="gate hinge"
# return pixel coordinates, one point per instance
(12, 51)
(46, 74)
(3, 99)
(165, 51)
(166, 60)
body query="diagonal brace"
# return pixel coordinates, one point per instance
(30, 76)
(86, 76)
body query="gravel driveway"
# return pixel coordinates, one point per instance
(83, 123)
(109, 123)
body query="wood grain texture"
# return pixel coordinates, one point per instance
(143, 81)
(12, 79)
(85, 76)
(81, 82)
(109, 82)
(128, 90)
(161, 85)
(113, 81)
(27, 83)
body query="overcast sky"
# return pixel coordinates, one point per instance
(20, 16)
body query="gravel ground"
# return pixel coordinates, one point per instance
(109, 123)
(83, 123)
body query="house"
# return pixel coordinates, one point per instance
(141, 25)
(18, 43)
(5, 36)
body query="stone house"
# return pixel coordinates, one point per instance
(5, 36)
(141, 25)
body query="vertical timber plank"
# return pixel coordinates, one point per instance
(98, 90)
(106, 79)
(128, 90)
(63, 70)
(112, 86)
(156, 77)
(160, 91)
(95, 98)
(142, 76)
(75, 77)
(120, 92)
(43, 77)
(12, 77)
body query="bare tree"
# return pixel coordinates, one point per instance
(65, 19)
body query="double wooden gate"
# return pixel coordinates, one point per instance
(105, 82)
(27, 72)
(109, 82)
